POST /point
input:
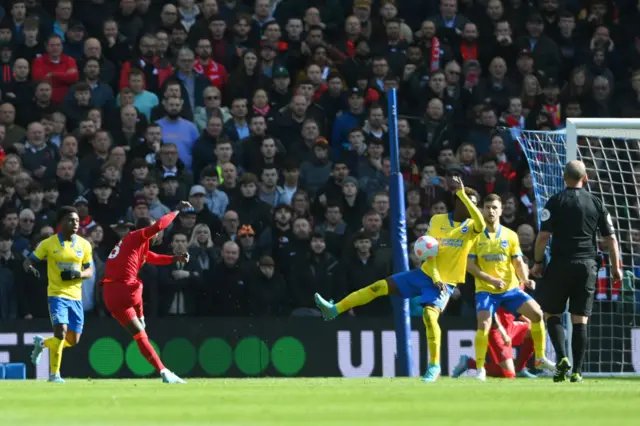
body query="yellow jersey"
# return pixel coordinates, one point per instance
(455, 240)
(64, 256)
(494, 254)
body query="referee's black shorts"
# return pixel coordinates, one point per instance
(572, 280)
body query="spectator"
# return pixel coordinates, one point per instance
(180, 284)
(144, 100)
(267, 290)
(313, 272)
(59, 69)
(39, 154)
(251, 209)
(182, 133)
(13, 297)
(229, 295)
(206, 66)
(212, 108)
(14, 134)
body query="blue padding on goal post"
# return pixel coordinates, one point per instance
(3, 372)
(16, 371)
(398, 230)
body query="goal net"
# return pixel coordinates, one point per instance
(610, 149)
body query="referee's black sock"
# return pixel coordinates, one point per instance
(556, 333)
(578, 346)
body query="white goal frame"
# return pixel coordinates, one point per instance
(593, 127)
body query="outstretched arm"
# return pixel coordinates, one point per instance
(163, 222)
(479, 224)
(163, 259)
(159, 259)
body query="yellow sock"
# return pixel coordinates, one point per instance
(363, 296)
(538, 335)
(56, 346)
(430, 317)
(481, 343)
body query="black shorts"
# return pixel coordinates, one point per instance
(574, 281)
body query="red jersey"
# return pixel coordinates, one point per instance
(128, 256)
(505, 317)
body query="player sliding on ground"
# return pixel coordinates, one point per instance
(505, 333)
(123, 289)
(69, 261)
(496, 262)
(435, 280)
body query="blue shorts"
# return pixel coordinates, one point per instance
(416, 283)
(66, 311)
(510, 300)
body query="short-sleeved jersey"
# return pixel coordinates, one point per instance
(74, 255)
(455, 240)
(573, 216)
(494, 253)
(128, 256)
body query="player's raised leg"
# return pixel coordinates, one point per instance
(357, 298)
(399, 284)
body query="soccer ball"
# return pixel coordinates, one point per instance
(426, 247)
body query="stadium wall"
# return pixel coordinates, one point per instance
(243, 347)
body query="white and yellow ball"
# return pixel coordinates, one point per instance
(426, 247)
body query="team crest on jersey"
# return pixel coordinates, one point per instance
(79, 253)
(504, 244)
(545, 215)
(464, 229)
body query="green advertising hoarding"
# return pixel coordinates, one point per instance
(242, 347)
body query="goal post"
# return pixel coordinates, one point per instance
(610, 149)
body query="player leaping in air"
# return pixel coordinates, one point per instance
(435, 280)
(496, 262)
(122, 288)
(69, 261)
(506, 333)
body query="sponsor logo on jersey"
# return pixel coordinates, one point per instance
(494, 257)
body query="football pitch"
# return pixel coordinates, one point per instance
(332, 401)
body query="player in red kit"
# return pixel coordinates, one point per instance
(122, 288)
(506, 333)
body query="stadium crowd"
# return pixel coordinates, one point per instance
(270, 118)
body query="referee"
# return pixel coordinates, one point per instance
(572, 217)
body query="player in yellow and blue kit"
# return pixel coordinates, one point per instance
(69, 261)
(435, 281)
(496, 262)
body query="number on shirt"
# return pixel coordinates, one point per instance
(116, 251)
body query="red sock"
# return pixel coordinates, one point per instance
(147, 350)
(471, 364)
(494, 370)
(525, 353)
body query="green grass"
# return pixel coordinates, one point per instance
(313, 402)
